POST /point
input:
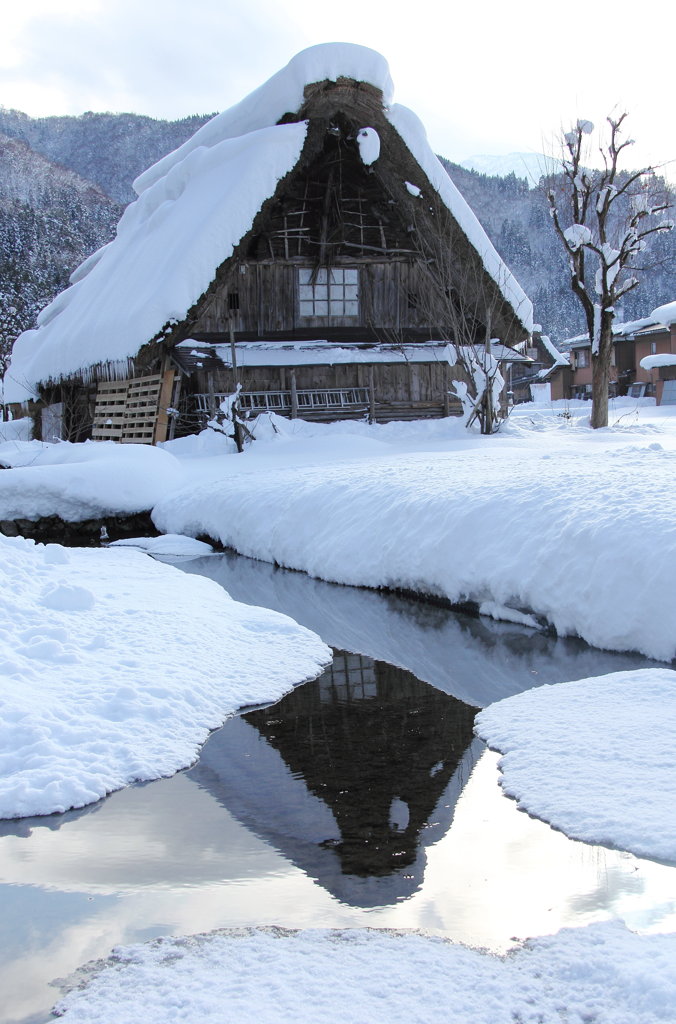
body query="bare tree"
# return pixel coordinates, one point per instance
(604, 219)
(460, 301)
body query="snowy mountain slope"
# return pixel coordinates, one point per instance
(50, 219)
(530, 166)
(107, 149)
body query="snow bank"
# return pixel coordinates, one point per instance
(115, 668)
(586, 539)
(611, 740)
(15, 430)
(83, 481)
(271, 976)
(170, 545)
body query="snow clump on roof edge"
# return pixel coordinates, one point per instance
(281, 94)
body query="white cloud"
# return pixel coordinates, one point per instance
(484, 78)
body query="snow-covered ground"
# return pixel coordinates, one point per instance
(115, 668)
(548, 518)
(602, 974)
(83, 481)
(594, 757)
(15, 430)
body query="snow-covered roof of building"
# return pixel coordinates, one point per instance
(665, 314)
(559, 358)
(194, 206)
(660, 359)
(661, 317)
(325, 353)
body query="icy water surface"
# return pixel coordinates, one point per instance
(360, 799)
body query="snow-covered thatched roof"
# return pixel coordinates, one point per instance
(194, 207)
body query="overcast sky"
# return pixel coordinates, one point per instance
(485, 76)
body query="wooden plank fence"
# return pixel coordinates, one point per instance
(128, 411)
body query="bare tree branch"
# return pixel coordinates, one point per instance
(591, 219)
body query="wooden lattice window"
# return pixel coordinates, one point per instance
(328, 292)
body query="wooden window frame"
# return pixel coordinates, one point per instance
(328, 292)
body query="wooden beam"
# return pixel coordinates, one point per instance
(162, 421)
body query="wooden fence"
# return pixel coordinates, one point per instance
(133, 411)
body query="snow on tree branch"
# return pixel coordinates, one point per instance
(603, 218)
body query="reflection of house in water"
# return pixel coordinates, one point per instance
(350, 776)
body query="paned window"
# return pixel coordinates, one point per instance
(331, 292)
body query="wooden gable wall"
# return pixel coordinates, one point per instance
(262, 299)
(331, 211)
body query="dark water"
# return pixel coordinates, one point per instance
(362, 798)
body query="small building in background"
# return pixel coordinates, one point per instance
(633, 371)
(545, 376)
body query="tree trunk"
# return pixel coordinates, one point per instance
(600, 377)
(601, 372)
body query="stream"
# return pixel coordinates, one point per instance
(362, 799)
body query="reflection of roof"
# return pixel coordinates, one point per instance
(313, 777)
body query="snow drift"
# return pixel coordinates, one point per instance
(115, 668)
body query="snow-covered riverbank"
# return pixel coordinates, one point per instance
(547, 518)
(115, 668)
(603, 974)
(613, 739)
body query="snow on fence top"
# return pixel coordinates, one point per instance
(194, 206)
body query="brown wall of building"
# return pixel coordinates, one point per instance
(394, 382)
(267, 300)
(653, 344)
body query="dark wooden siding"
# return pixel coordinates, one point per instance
(394, 382)
(267, 301)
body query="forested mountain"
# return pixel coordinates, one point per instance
(107, 149)
(50, 220)
(518, 222)
(64, 182)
